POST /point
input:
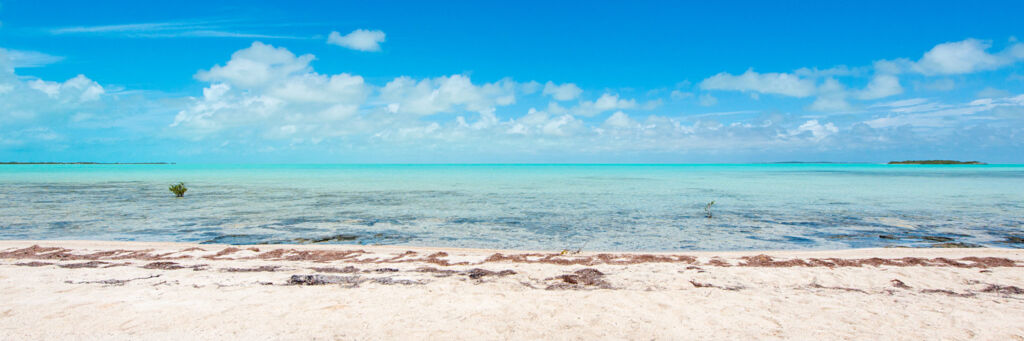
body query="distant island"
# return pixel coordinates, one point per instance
(86, 163)
(936, 162)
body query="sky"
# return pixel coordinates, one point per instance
(511, 82)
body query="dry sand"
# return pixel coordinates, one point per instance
(116, 290)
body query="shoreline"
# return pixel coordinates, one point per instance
(164, 290)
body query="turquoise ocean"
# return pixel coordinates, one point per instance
(537, 207)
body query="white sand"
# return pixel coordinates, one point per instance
(646, 300)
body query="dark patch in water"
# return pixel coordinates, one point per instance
(957, 245)
(336, 238)
(237, 239)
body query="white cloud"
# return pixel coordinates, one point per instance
(841, 70)
(990, 92)
(766, 83)
(607, 102)
(942, 84)
(27, 101)
(678, 95)
(933, 115)
(901, 103)
(265, 94)
(964, 57)
(79, 88)
(446, 94)
(257, 66)
(832, 97)
(564, 92)
(817, 131)
(181, 29)
(541, 123)
(881, 86)
(952, 58)
(707, 100)
(620, 120)
(361, 40)
(263, 87)
(28, 59)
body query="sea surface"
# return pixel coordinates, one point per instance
(536, 207)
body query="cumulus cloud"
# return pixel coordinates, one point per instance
(881, 86)
(268, 98)
(257, 66)
(542, 123)
(766, 83)
(952, 58)
(564, 92)
(446, 94)
(30, 106)
(264, 94)
(814, 130)
(361, 40)
(606, 102)
(264, 84)
(620, 120)
(678, 95)
(707, 100)
(832, 97)
(43, 93)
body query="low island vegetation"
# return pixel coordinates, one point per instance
(935, 162)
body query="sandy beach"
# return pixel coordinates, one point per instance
(130, 290)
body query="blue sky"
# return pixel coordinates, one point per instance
(511, 82)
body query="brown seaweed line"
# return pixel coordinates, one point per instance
(438, 258)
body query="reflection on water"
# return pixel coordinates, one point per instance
(610, 207)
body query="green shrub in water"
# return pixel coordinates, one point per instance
(707, 209)
(178, 189)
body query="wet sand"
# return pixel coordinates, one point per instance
(129, 290)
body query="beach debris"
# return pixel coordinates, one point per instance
(392, 281)
(588, 278)
(437, 272)
(351, 281)
(574, 252)
(347, 269)
(707, 209)
(899, 284)
(715, 261)
(767, 261)
(178, 189)
(1003, 289)
(386, 270)
(347, 281)
(112, 281)
(709, 285)
(477, 273)
(33, 264)
(90, 264)
(947, 292)
(819, 286)
(173, 266)
(264, 268)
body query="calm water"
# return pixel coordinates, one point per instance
(597, 207)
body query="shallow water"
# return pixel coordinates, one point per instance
(552, 207)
